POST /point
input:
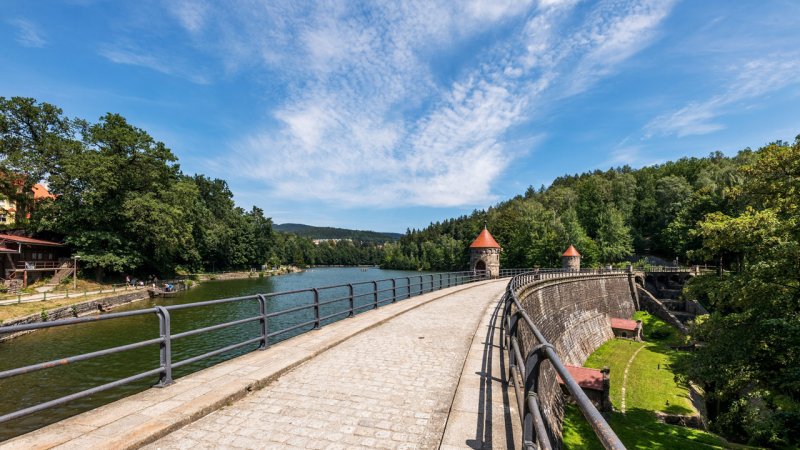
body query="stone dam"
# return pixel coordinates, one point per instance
(573, 315)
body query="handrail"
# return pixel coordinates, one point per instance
(398, 288)
(525, 371)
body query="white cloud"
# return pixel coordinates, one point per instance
(751, 80)
(497, 9)
(28, 34)
(366, 121)
(135, 57)
(191, 14)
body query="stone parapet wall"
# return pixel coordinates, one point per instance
(573, 315)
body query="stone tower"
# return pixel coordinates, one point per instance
(571, 259)
(484, 254)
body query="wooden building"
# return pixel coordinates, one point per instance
(24, 260)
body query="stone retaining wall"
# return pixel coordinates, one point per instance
(655, 307)
(573, 315)
(75, 310)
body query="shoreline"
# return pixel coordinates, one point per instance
(105, 303)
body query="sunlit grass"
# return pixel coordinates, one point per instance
(651, 387)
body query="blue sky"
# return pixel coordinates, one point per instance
(388, 115)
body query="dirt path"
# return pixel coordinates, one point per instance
(625, 377)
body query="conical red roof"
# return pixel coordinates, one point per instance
(571, 252)
(484, 240)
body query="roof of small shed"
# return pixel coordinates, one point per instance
(624, 324)
(585, 377)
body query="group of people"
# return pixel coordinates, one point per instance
(133, 282)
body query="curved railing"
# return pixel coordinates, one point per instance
(524, 371)
(359, 296)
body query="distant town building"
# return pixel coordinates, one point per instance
(571, 259)
(319, 241)
(484, 254)
(8, 207)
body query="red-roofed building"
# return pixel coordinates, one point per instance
(627, 329)
(594, 383)
(24, 260)
(571, 259)
(8, 207)
(484, 254)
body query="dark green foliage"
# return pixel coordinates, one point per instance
(749, 362)
(336, 233)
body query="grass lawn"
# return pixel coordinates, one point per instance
(656, 330)
(638, 429)
(651, 387)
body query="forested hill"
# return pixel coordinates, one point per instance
(313, 232)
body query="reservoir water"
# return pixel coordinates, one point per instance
(59, 342)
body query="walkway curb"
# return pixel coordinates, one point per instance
(147, 416)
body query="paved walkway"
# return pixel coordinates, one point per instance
(392, 386)
(484, 413)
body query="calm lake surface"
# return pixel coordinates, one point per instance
(49, 344)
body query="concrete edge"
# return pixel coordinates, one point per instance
(460, 383)
(152, 430)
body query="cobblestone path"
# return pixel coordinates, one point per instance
(389, 387)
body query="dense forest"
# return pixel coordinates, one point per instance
(123, 204)
(610, 216)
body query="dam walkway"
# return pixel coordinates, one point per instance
(424, 373)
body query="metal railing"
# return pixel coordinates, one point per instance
(525, 372)
(360, 296)
(49, 264)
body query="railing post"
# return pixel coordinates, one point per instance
(352, 301)
(374, 295)
(440, 281)
(408, 283)
(262, 310)
(394, 290)
(316, 309)
(165, 348)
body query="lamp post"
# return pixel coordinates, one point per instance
(75, 258)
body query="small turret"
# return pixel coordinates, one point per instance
(484, 254)
(571, 259)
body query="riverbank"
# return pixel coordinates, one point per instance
(95, 303)
(65, 310)
(283, 270)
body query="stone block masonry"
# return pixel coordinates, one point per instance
(573, 315)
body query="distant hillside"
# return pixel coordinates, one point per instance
(335, 233)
